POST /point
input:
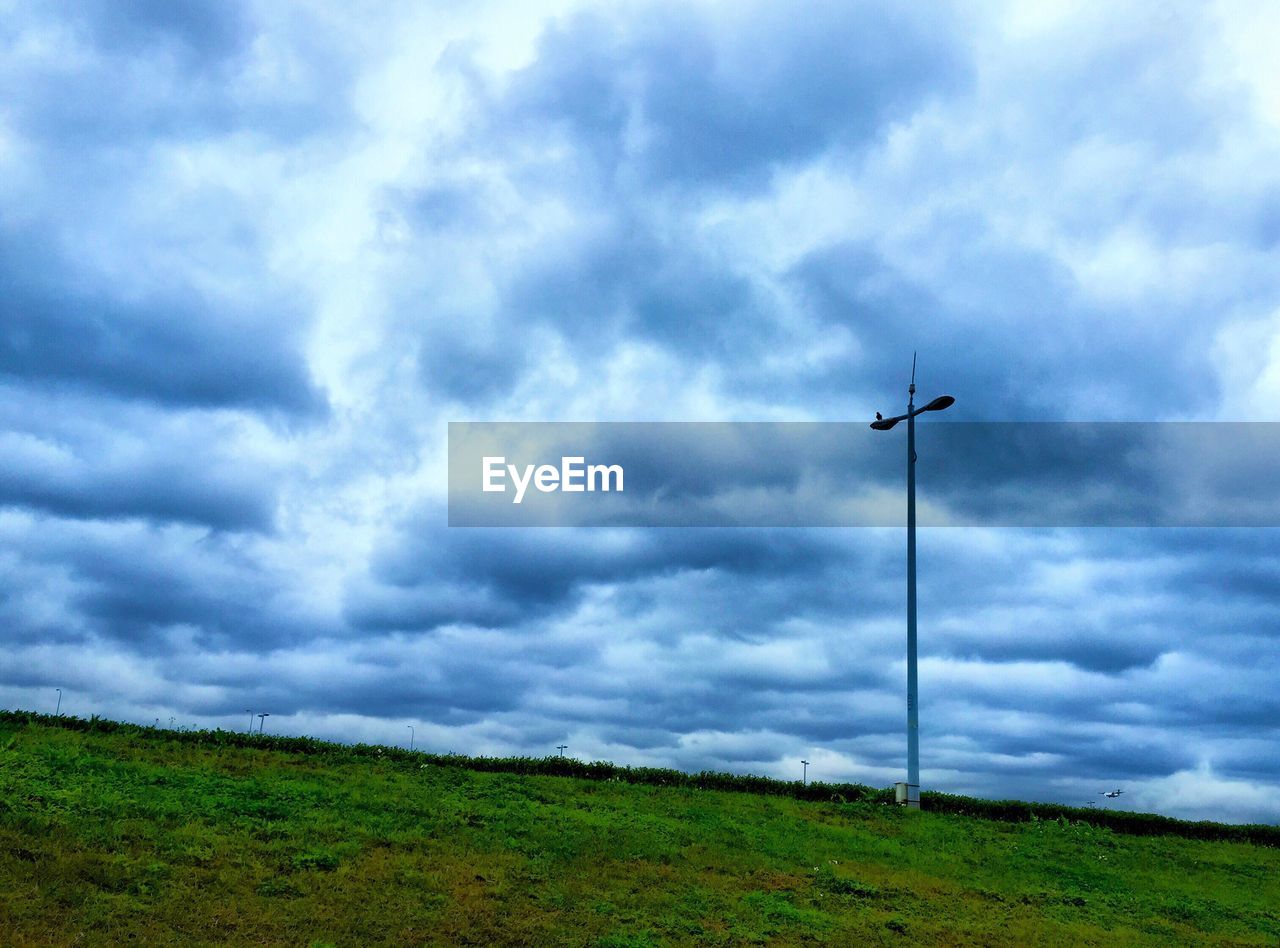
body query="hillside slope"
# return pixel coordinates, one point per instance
(112, 836)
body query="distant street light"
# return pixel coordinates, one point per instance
(58, 712)
(411, 735)
(562, 748)
(262, 720)
(804, 775)
(249, 711)
(913, 712)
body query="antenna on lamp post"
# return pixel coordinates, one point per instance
(910, 792)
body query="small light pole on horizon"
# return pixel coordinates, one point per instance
(262, 720)
(562, 748)
(411, 735)
(58, 713)
(249, 711)
(804, 774)
(912, 795)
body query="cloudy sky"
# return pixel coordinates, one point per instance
(255, 257)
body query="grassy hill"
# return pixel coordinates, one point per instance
(112, 832)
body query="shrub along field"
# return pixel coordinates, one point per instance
(111, 832)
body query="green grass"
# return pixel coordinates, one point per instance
(108, 836)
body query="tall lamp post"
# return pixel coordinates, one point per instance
(412, 735)
(912, 796)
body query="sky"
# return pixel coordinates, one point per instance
(255, 257)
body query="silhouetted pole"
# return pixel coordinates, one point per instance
(913, 678)
(58, 712)
(913, 689)
(411, 735)
(804, 775)
(249, 711)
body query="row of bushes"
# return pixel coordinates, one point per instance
(541, 766)
(1120, 821)
(1014, 811)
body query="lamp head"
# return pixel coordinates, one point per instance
(939, 403)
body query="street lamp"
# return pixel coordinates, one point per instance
(262, 720)
(249, 711)
(411, 735)
(58, 712)
(562, 748)
(804, 775)
(912, 795)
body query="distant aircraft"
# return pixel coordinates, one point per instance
(1112, 794)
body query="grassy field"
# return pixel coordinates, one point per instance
(111, 837)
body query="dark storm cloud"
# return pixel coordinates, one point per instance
(677, 96)
(460, 368)
(1016, 350)
(1002, 610)
(429, 575)
(673, 97)
(64, 326)
(1114, 647)
(158, 489)
(155, 591)
(619, 278)
(132, 75)
(626, 281)
(452, 680)
(1009, 321)
(204, 30)
(79, 457)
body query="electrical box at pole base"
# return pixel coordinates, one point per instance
(905, 794)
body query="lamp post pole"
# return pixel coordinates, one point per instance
(912, 795)
(411, 735)
(58, 712)
(913, 680)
